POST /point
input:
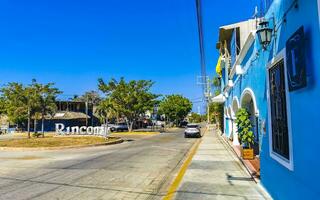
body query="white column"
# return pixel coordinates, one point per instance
(235, 133)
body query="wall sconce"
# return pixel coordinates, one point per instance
(264, 34)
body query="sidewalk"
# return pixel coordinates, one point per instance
(216, 173)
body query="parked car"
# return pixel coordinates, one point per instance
(118, 127)
(192, 130)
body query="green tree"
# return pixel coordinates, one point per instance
(21, 103)
(2, 105)
(175, 107)
(195, 118)
(90, 97)
(216, 82)
(105, 110)
(31, 96)
(216, 113)
(14, 102)
(129, 99)
(47, 101)
(216, 109)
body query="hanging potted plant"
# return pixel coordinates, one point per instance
(246, 135)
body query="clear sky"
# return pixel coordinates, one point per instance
(74, 42)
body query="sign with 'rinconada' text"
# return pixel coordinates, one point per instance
(81, 130)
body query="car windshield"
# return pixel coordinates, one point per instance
(192, 126)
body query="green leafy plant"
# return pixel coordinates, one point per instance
(244, 125)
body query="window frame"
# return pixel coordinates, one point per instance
(288, 163)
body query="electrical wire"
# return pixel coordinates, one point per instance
(201, 45)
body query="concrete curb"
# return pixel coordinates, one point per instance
(175, 184)
(118, 141)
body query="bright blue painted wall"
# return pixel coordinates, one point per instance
(303, 181)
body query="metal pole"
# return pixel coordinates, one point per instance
(208, 100)
(87, 111)
(208, 115)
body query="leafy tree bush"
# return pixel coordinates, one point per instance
(175, 107)
(195, 118)
(20, 102)
(106, 111)
(129, 99)
(216, 113)
(244, 127)
(17, 103)
(89, 96)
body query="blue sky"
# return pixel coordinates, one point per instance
(73, 43)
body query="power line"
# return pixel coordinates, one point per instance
(205, 79)
(196, 98)
(201, 45)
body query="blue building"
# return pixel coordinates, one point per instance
(278, 82)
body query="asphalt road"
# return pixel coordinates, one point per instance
(139, 169)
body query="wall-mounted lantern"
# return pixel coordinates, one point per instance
(264, 34)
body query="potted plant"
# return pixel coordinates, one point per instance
(245, 133)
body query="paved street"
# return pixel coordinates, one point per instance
(140, 169)
(215, 173)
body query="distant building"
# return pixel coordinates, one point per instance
(278, 83)
(69, 113)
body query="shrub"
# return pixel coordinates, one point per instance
(244, 125)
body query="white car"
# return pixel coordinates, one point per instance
(192, 130)
(118, 127)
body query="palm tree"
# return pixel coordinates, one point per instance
(105, 110)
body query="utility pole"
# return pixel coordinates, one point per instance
(207, 92)
(208, 98)
(86, 104)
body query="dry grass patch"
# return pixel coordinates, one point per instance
(55, 141)
(25, 134)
